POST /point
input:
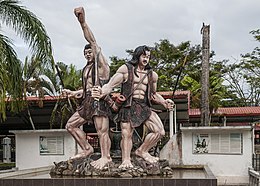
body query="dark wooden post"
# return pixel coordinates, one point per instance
(205, 31)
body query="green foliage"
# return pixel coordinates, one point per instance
(62, 111)
(64, 108)
(217, 91)
(70, 76)
(10, 77)
(31, 30)
(243, 77)
(28, 27)
(256, 34)
(115, 64)
(167, 60)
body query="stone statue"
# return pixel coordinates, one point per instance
(95, 73)
(138, 84)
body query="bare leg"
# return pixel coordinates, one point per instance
(155, 125)
(102, 127)
(72, 127)
(126, 145)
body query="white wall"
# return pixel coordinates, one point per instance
(28, 149)
(227, 168)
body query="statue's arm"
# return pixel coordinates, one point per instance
(157, 98)
(70, 93)
(118, 78)
(89, 36)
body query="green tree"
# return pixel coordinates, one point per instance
(217, 89)
(29, 28)
(69, 77)
(115, 64)
(167, 60)
(243, 77)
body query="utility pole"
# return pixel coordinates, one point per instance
(205, 31)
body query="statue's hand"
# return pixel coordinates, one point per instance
(80, 14)
(96, 92)
(67, 92)
(169, 104)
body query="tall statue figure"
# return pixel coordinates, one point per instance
(95, 73)
(138, 84)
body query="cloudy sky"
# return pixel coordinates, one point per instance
(124, 24)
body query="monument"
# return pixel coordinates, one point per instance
(139, 83)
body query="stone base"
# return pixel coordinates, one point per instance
(82, 167)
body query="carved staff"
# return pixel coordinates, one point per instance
(96, 82)
(173, 92)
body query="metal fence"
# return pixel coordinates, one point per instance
(256, 162)
(254, 174)
(253, 177)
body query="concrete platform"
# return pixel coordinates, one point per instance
(185, 176)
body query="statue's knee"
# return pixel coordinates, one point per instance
(68, 127)
(161, 133)
(126, 134)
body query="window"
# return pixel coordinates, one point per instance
(257, 137)
(227, 143)
(51, 145)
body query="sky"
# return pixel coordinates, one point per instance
(119, 25)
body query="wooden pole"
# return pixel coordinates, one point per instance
(205, 31)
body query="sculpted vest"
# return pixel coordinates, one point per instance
(128, 86)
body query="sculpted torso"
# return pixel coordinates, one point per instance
(122, 76)
(139, 92)
(88, 76)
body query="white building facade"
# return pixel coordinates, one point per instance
(226, 150)
(40, 148)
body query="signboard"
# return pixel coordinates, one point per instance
(217, 143)
(51, 145)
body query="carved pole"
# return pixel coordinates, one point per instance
(205, 31)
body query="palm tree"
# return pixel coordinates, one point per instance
(69, 78)
(217, 90)
(28, 27)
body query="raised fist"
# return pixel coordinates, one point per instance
(80, 14)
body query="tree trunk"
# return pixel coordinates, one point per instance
(205, 31)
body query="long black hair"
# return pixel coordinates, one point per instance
(140, 50)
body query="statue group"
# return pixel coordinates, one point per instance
(138, 92)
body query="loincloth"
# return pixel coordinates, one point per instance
(136, 114)
(88, 110)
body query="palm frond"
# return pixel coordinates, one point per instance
(28, 27)
(10, 77)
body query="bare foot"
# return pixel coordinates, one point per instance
(126, 164)
(83, 154)
(146, 156)
(101, 163)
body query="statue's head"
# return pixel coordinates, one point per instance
(88, 53)
(138, 53)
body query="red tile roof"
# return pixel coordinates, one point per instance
(165, 94)
(231, 111)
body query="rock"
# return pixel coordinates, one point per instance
(83, 167)
(125, 175)
(88, 173)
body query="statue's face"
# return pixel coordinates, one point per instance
(89, 55)
(144, 58)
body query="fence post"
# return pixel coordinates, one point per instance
(7, 150)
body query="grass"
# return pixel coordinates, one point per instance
(4, 166)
